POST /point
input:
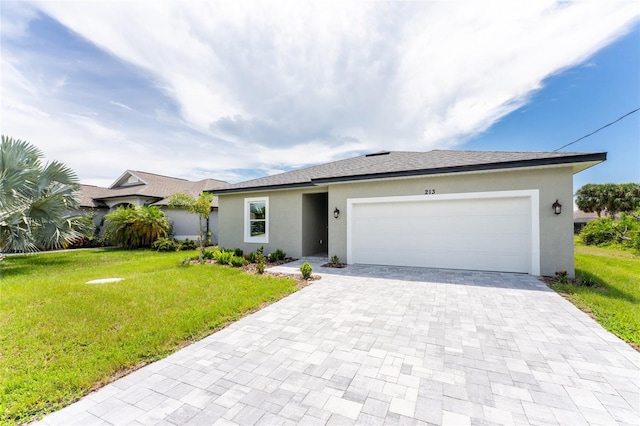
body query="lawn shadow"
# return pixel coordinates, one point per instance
(24, 264)
(609, 290)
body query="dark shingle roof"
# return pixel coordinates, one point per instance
(151, 186)
(403, 163)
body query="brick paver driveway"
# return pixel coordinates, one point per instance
(374, 345)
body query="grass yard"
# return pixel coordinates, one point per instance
(60, 337)
(614, 299)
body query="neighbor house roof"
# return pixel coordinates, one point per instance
(149, 185)
(386, 164)
(89, 196)
(584, 217)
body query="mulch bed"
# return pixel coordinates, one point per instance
(251, 269)
(334, 265)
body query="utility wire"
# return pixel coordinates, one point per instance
(596, 131)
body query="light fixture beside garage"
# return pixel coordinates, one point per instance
(557, 207)
(336, 213)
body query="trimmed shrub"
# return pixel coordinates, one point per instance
(277, 255)
(222, 257)
(207, 254)
(251, 257)
(188, 244)
(237, 261)
(238, 252)
(306, 270)
(260, 263)
(165, 244)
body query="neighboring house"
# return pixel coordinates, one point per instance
(472, 210)
(141, 188)
(581, 218)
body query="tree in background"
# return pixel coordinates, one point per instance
(36, 200)
(134, 227)
(589, 198)
(610, 197)
(200, 206)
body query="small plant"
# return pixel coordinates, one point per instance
(260, 263)
(238, 252)
(279, 254)
(222, 257)
(306, 270)
(335, 260)
(187, 260)
(165, 244)
(587, 280)
(188, 244)
(562, 277)
(260, 250)
(251, 257)
(207, 254)
(237, 261)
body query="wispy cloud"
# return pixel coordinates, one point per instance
(217, 87)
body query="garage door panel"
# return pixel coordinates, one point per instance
(447, 260)
(483, 234)
(442, 243)
(415, 224)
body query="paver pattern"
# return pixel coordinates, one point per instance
(386, 345)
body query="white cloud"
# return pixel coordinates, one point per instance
(259, 86)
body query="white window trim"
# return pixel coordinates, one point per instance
(247, 216)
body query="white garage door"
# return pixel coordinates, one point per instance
(491, 231)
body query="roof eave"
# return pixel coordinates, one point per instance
(260, 188)
(587, 159)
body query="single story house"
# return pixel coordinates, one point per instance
(581, 218)
(138, 188)
(474, 210)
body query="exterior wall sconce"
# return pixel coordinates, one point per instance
(336, 213)
(557, 207)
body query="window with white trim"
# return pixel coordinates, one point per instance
(256, 220)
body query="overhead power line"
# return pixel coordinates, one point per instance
(596, 131)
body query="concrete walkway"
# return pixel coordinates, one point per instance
(385, 345)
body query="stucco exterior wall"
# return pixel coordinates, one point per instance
(185, 225)
(285, 220)
(556, 232)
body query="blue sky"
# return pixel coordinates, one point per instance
(236, 91)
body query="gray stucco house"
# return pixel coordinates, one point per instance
(475, 210)
(141, 188)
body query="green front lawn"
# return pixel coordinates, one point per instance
(60, 337)
(613, 297)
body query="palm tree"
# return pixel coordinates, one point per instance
(136, 226)
(36, 200)
(590, 198)
(200, 206)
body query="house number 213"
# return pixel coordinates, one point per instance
(429, 191)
